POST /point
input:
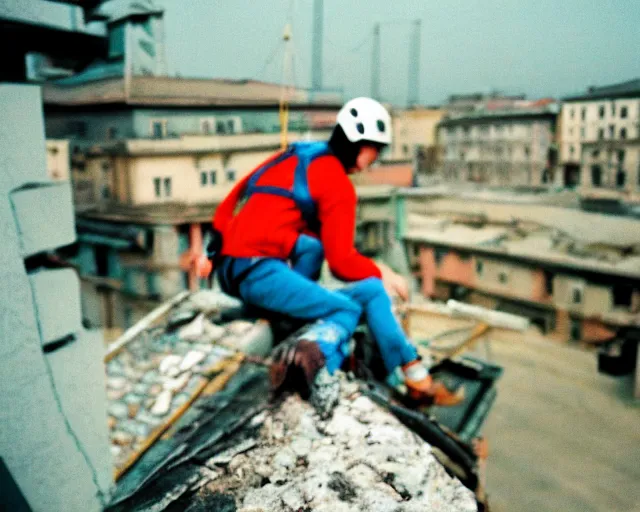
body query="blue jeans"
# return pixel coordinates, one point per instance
(307, 257)
(275, 286)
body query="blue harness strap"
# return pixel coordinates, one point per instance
(306, 152)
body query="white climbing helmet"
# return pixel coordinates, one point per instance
(364, 119)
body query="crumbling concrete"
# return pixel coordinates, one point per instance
(361, 458)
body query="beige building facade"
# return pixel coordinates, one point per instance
(500, 148)
(611, 170)
(413, 129)
(608, 114)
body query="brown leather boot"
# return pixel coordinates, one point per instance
(422, 388)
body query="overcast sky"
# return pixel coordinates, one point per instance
(535, 47)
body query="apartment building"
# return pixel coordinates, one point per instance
(600, 116)
(511, 146)
(540, 261)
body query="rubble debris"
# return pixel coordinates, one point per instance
(170, 361)
(289, 458)
(156, 372)
(341, 485)
(180, 317)
(192, 358)
(162, 403)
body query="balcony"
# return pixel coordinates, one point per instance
(214, 143)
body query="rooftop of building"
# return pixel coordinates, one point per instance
(544, 108)
(165, 91)
(193, 426)
(531, 241)
(628, 89)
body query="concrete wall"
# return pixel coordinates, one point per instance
(511, 280)
(53, 405)
(578, 296)
(184, 173)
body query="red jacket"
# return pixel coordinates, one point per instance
(269, 225)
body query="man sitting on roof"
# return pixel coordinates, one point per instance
(279, 223)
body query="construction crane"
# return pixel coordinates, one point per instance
(285, 92)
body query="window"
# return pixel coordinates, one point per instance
(167, 187)
(205, 126)
(405, 149)
(503, 278)
(158, 128)
(622, 295)
(527, 151)
(572, 113)
(221, 127)
(613, 109)
(546, 178)
(612, 131)
(102, 260)
(596, 175)
(623, 133)
(116, 41)
(106, 193)
(231, 175)
(570, 131)
(623, 112)
(583, 114)
(156, 185)
(548, 282)
(213, 177)
(203, 179)
(576, 295)
(583, 132)
(621, 155)
(231, 127)
(601, 112)
(572, 149)
(601, 134)
(479, 267)
(621, 178)
(576, 329)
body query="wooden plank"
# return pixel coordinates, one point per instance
(155, 435)
(130, 334)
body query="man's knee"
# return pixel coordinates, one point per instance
(370, 288)
(351, 306)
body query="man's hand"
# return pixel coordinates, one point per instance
(394, 282)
